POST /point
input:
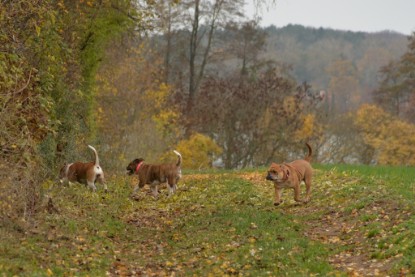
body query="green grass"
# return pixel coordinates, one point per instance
(399, 179)
(222, 223)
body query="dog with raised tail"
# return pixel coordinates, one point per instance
(84, 173)
(290, 175)
(155, 174)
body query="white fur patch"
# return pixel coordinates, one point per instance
(98, 170)
(67, 169)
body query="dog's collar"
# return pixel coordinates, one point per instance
(138, 167)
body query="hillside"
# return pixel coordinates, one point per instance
(312, 51)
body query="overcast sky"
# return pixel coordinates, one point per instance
(353, 15)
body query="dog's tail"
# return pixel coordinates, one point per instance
(96, 155)
(310, 151)
(179, 162)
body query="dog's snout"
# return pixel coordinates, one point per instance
(269, 178)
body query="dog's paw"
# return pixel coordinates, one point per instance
(278, 203)
(135, 197)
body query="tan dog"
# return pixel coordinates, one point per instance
(84, 173)
(290, 175)
(156, 174)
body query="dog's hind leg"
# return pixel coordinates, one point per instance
(170, 187)
(307, 182)
(92, 185)
(297, 193)
(101, 180)
(171, 184)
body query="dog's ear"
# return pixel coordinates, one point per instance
(139, 160)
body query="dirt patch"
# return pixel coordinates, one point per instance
(150, 218)
(354, 235)
(350, 232)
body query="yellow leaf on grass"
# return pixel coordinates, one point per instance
(252, 240)
(253, 226)
(334, 239)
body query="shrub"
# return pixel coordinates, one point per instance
(199, 151)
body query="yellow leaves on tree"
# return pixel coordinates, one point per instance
(161, 113)
(393, 139)
(290, 106)
(310, 129)
(198, 151)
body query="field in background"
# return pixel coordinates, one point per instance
(360, 221)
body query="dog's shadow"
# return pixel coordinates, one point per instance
(291, 205)
(146, 193)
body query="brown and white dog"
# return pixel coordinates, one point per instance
(84, 173)
(155, 174)
(290, 175)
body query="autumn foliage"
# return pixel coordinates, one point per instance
(392, 138)
(199, 151)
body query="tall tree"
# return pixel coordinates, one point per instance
(135, 111)
(251, 120)
(189, 29)
(396, 92)
(344, 85)
(206, 18)
(170, 14)
(245, 41)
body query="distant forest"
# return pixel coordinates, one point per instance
(315, 53)
(319, 56)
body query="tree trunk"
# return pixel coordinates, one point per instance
(192, 57)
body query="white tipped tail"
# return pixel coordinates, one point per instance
(179, 162)
(96, 155)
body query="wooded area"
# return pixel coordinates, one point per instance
(140, 78)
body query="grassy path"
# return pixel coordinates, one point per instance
(359, 222)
